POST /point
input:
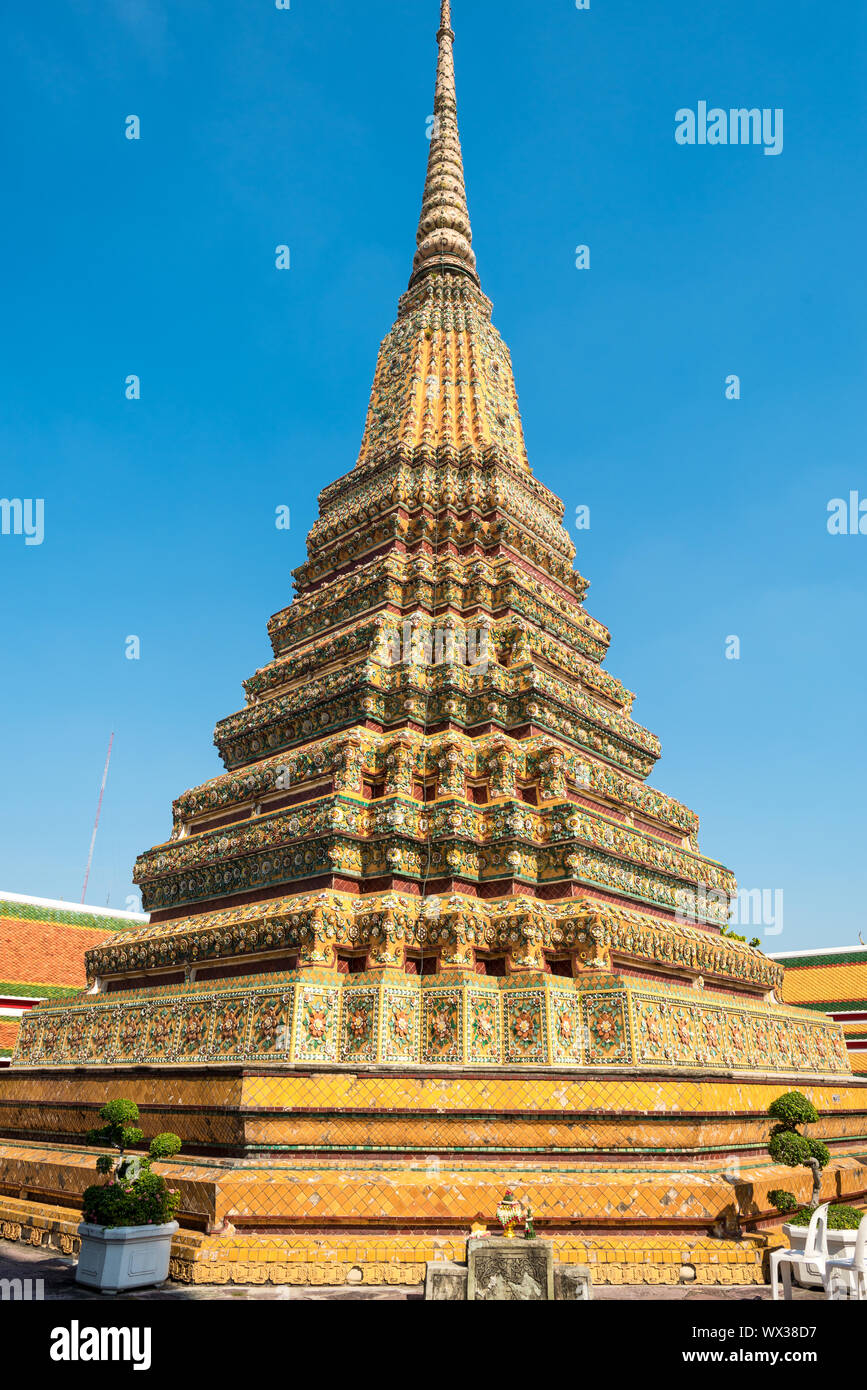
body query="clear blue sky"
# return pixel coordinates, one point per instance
(307, 127)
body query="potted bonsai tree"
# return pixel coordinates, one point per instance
(128, 1220)
(787, 1145)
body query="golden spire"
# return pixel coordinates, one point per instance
(444, 377)
(444, 233)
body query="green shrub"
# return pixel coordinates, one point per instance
(788, 1145)
(820, 1152)
(120, 1130)
(793, 1109)
(143, 1200)
(165, 1146)
(107, 1204)
(840, 1218)
(782, 1200)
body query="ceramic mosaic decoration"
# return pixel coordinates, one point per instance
(433, 906)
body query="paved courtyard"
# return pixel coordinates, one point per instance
(19, 1261)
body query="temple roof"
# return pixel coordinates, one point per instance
(42, 947)
(832, 976)
(832, 980)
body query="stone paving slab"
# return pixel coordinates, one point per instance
(58, 1272)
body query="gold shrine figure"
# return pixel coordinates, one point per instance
(510, 1213)
(433, 908)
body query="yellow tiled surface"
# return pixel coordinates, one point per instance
(628, 1260)
(394, 1194)
(406, 1117)
(57, 1170)
(166, 1086)
(811, 984)
(512, 1092)
(378, 1089)
(233, 1111)
(367, 1158)
(321, 1259)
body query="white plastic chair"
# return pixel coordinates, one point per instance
(815, 1253)
(856, 1267)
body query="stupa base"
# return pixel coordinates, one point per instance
(329, 1259)
(327, 1175)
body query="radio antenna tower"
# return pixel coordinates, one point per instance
(96, 822)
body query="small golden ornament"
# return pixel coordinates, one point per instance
(509, 1213)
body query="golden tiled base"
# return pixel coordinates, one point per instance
(402, 1260)
(310, 1162)
(376, 1200)
(241, 1111)
(334, 1260)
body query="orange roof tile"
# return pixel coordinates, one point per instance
(826, 983)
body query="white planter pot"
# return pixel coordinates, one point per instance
(124, 1257)
(841, 1246)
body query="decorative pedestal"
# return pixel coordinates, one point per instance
(503, 1269)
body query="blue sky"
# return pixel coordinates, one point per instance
(307, 127)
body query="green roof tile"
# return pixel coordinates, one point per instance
(71, 917)
(13, 988)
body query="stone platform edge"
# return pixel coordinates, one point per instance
(288, 1200)
(333, 1260)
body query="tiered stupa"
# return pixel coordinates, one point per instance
(432, 931)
